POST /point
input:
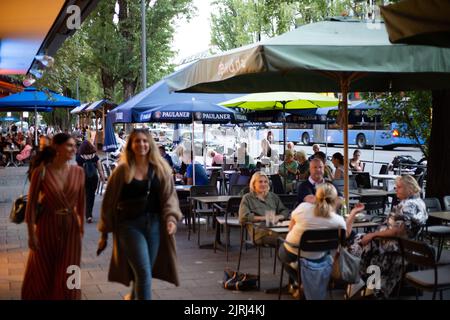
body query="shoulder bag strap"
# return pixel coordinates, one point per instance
(150, 174)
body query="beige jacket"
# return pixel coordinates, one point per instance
(165, 267)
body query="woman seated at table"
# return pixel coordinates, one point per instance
(338, 162)
(26, 151)
(254, 206)
(355, 163)
(303, 165)
(406, 220)
(288, 169)
(311, 216)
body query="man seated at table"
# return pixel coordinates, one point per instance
(306, 191)
(254, 206)
(162, 151)
(201, 178)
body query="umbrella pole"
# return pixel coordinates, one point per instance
(204, 146)
(284, 143)
(326, 137)
(192, 150)
(345, 83)
(35, 127)
(374, 137)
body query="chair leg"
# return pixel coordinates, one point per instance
(198, 231)
(281, 281)
(240, 249)
(259, 267)
(227, 239)
(275, 261)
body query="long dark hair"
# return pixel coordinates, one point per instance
(46, 155)
(86, 148)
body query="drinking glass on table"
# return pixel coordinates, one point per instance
(270, 218)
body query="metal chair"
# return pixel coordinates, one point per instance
(447, 203)
(321, 240)
(228, 220)
(289, 200)
(363, 180)
(374, 204)
(237, 189)
(277, 184)
(432, 277)
(198, 210)
(434, 227)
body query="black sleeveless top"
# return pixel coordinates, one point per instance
(138, 189)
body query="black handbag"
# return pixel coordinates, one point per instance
(19, 206)
(234, 280)
(133, 208)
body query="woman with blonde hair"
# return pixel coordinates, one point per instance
(257, 203)
(307, 216)
(405, 220)
(288, 169)
(140, 207)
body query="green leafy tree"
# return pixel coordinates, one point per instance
(240, 22)
(411, 110)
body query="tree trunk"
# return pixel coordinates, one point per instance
(438, 184)
(129, 88)
(108, 85)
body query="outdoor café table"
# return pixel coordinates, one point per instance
(183, 187)
(371, 192)
(209, 200)
(11, 159)
(213, 168)
(385, 178)
(443, 215)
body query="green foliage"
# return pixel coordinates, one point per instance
(241, 22)
(412, 109)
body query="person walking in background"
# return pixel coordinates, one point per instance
(56, 229)
(88, 159)
(140, 208)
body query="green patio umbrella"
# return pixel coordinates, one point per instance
(338, 55)
(418, 22)
(282, 101)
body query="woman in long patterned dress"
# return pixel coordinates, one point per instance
(55, 232)
(406, 220)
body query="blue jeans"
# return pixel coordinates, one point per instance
(315, 276)
(140, 240)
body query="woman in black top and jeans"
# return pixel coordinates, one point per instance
(87, 159)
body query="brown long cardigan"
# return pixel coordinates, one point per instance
(165, 267)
